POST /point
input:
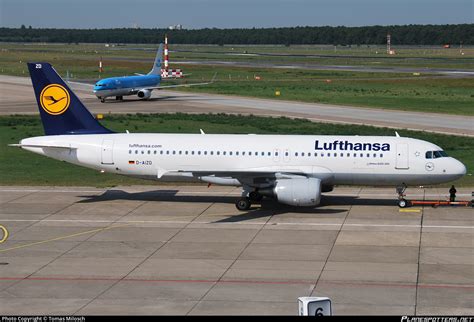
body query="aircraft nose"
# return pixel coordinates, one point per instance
(459, 169)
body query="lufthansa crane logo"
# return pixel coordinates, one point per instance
(54, 99)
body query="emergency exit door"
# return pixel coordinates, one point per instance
(402, 156)
(107, 151)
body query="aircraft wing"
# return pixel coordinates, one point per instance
(182, 85)
(258, 175)
(178, 85)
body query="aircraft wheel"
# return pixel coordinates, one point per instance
(102, 100)
(402, 203)
(243, 204)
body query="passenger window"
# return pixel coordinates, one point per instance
(180, 152)
(243, 152)
(192, 152)
(296, 154)
(154, 152)
(212, 152)
(129, 151)
(302, 154)
(161, 152)
(174, 152)
(149, 151)
(218, 153)
(199, 152)
(335, 154)
(230, 152)
(143, 152)
(205, 152)
(236, 152)
(315, 154)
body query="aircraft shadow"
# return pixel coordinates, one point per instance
(268, 207)
(356, 201)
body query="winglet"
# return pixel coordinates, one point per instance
(214, 77)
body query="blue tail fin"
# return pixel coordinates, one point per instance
(60, 109)
(156, 70)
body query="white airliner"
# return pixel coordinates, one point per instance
(293, 169)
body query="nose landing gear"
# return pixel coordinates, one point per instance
(402, 202)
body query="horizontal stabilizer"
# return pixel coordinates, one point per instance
(68, 147)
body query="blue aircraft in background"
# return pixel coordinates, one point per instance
(140, 85)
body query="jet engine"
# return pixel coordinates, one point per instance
(295, 192)
(144, 94)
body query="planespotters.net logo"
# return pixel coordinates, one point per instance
(437, 319)
(54, 99)
(44, 318)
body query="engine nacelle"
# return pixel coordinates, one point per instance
(144, 94)
(296, 192)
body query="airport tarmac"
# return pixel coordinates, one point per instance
(186, 250)
(17, 97)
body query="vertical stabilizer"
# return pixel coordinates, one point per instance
(60, 109)
(156, 70)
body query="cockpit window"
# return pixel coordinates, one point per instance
(440, 154)
(436, 154)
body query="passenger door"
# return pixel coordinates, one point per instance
(402, 156)
(107, 156)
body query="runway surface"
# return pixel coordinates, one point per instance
(17, 97)
(187, 250)
(452, 72)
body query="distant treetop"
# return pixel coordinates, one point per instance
(402, 35)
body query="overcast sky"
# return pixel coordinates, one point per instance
(193, 14)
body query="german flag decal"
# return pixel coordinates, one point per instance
(131, 162)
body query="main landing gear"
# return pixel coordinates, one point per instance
(402, 202)
(119, 98)
(248, 197)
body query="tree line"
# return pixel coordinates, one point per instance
(403, 35)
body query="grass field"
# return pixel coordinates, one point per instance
(19, 167)
(400, 91)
